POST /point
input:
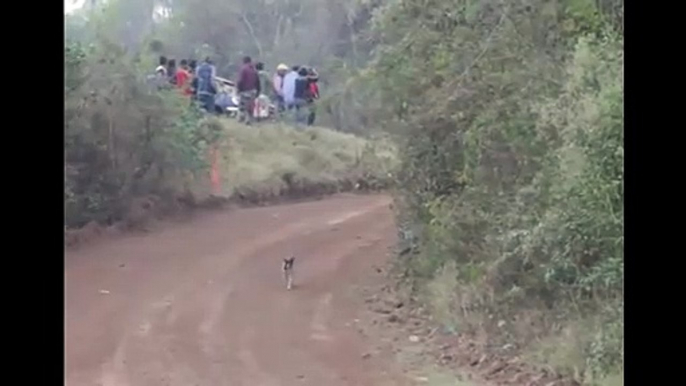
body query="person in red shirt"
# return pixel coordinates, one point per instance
(183, 79)
(312, 78)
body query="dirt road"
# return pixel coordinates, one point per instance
(203, 303)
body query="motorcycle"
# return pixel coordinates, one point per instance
(226, 101)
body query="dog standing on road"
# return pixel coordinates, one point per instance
(287, 268)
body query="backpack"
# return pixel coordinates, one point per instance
(302, 89)
(314, 90)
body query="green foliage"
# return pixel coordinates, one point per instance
(123, 138)
(512, 158)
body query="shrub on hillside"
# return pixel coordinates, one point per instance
(123, 138)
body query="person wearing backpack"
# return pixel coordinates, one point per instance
(301, 96)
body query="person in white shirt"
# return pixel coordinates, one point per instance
(277, 86)
(161, 70)
(289, 87)
(160, 78)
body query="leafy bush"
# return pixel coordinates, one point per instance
(123, 138)
(511, 115)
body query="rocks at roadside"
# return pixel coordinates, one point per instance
(404, 323)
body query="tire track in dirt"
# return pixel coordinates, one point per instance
(323, 245)
(203, 303)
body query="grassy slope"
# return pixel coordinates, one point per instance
(271, 160)
(264, 163)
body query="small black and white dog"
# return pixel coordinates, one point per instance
(287, 268)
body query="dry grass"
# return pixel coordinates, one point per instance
(612, 380)
(562, 352)
(264, 163)
(566, 352)
(272, 160)
(557, 346)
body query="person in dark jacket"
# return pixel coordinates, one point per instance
(248, 88)
(206, 89)
(301, 95)
(171, 71)
(192, 65)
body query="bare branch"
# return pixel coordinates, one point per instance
(252, 33)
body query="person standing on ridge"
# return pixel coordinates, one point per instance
(206, 89)
(171, 71)
(301, 96)
(183, 79)
(277, 87)
(160, 78)
(313, 78)
(289, 88)
(248, 87)
(192, 66)
(161, 69)
(262, 101)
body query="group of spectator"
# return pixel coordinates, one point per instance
(291, 91)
